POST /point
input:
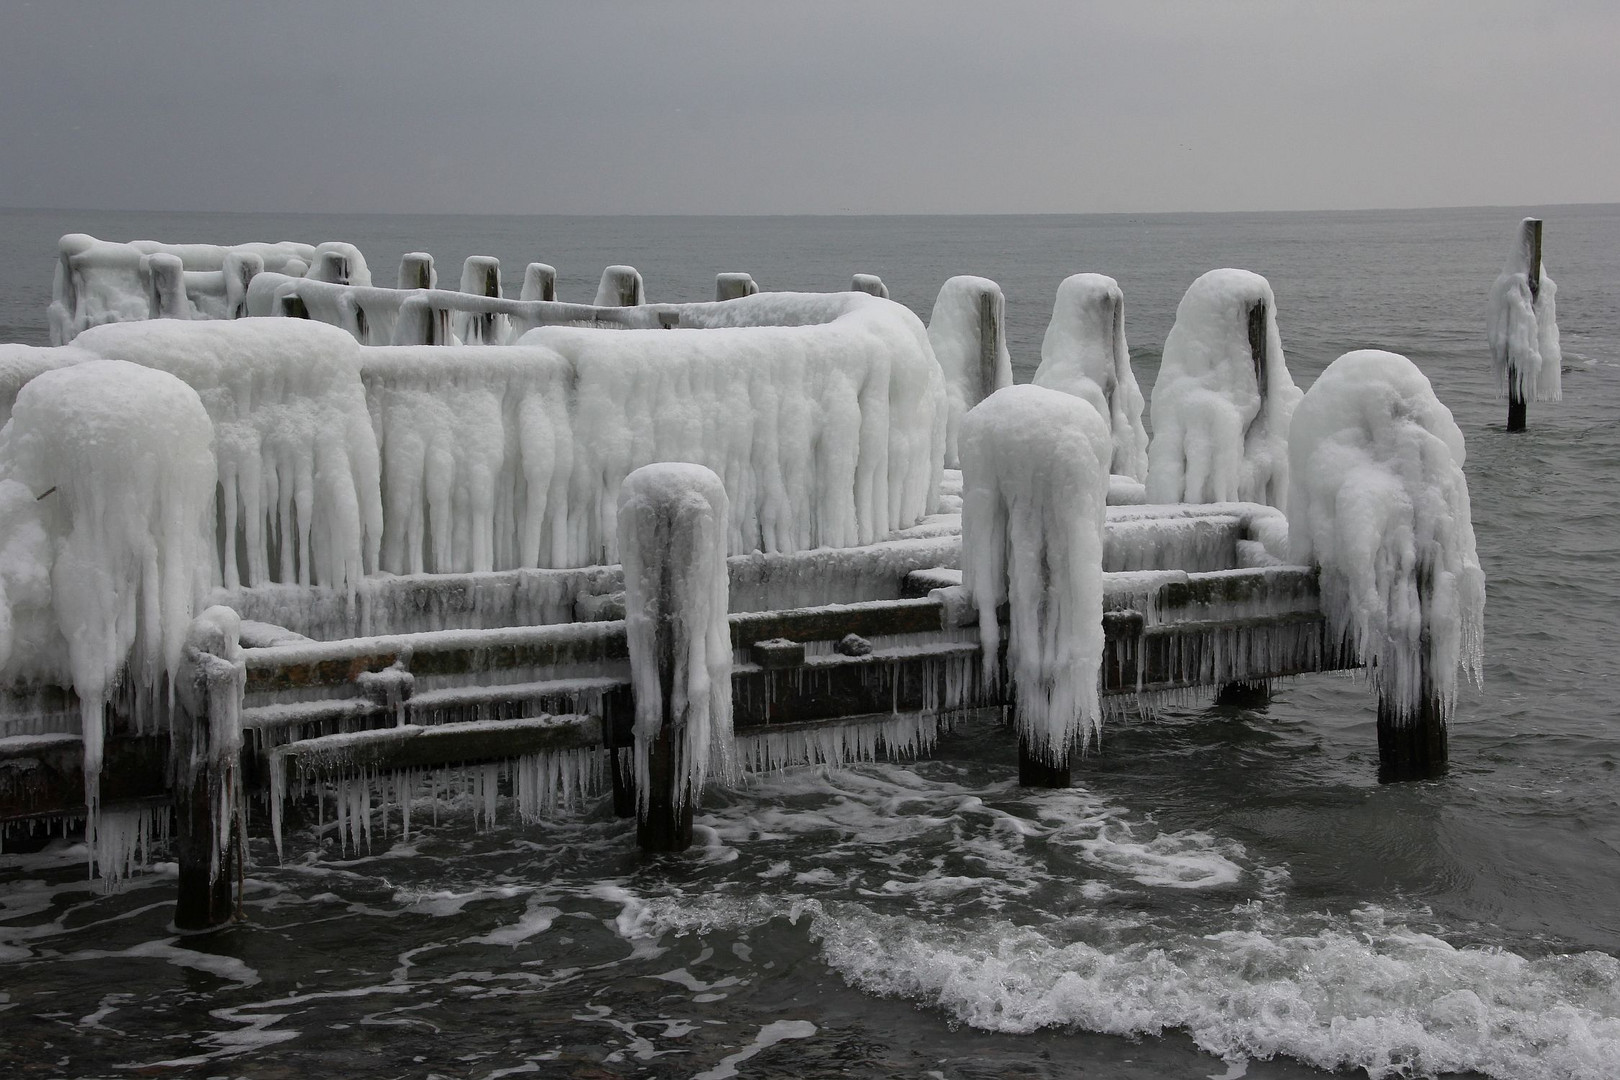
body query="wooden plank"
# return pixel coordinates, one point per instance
(831, 623)
(43, 775)
(415, 747)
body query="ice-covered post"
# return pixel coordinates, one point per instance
(1034, 496)
(621, 286)
(539, 282)
(331, 266)
(166, 294)
(480, 276)
(1378, 501)
(870, 284)
(969, 339)
(672, 540)
(240, 269)
(206, 750)
(1523, 328)
(416, 271)
(730, 286)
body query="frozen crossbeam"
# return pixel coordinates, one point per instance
(672, 539)
(1085, 354)
(1223, 399)
(1034, 497)
(967, 331)
(1379, 501)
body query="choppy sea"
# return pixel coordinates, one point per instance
(1226, 892)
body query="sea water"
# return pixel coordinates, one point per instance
(1226, 891)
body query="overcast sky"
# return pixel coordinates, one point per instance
(818, 106)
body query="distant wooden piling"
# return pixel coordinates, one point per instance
(1516, 399)
(991, 311)
(870, 284)
(539, 282)
(481, 276)
(621, 286)
(166, 294)
(333, 266)
(667, 824)
(416, 271)
(732, 286)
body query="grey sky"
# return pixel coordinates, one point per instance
(686, 106)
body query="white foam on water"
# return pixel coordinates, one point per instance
(769, 1035)
(227, 968)
(537, 919)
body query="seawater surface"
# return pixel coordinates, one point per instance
(1227, 892)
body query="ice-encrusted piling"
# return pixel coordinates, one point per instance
(1380, 503)
(1085, 354)
(672, 538)
(621, 286)
(1223, 400)
(416, 271)
(206, 750)
(539, 282)
(1034, 497)
(480, 276)
(1523, 327)
(107, 478)
(870, 284)
(732, 285)
(166, 290)
(240, 268)
(968, 334)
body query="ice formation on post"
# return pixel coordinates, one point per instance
(1223, 400)
(208, 757)
(1034, 497)
(672, 526)
(870, 284)
(1523, 326)
(1084, 353)
(730, 286)
(107, 475)
(1379, 501)
(620, 287)
(297, 457)
(967, 331)
(480, 276)
(539, 282)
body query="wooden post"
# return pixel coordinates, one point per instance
(666, 825)
(1414, 747)
(1516, 401)
(206, 760)
(539, 282)
(990, 331)
(870, 284)
(1257, 346)
(166, 296)
(333, 267)
(416, 271)
(732, 286)
(292, 305)
(1036, 772)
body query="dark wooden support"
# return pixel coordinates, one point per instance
(205, 756)
(1036, 772)
(1413, 746)
(416, 270)
(667, 823)
(539, 283)
(1516, 399)
(292, 306)
(990, 331)
(1243, 695)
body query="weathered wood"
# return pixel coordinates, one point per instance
(1414, 746)
(1257, 344)
(416, 270)
(990, 331)
(1036, 772)
(293, 307)
(666, 822)
(206, 761)
(775, 654)
(43, 775)
(414, 747)
(873, 618)
(539, 282)
(833, 687)
(1516, 400)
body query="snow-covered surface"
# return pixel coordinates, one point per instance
(672, 524)
(870, 284)
(1380, 502)
(1220, 416)
(967, 331)
(1035, 487)
(297, 458)
(98, 281)
(1523, 326)
(106, 543)
(1085, 354)
(19, 363)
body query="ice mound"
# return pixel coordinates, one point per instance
(1223, 399)
(1084, 353)
(967, 331)
(1380, 503)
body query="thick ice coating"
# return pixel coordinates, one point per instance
(1034, 498)
(1380, 503)
(967, 331)
(1523, 323)
(672, 528)
(1084, 353)
(1223, 400)
(118, 462)
(298, 462)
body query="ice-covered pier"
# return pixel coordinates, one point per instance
(541, 552)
